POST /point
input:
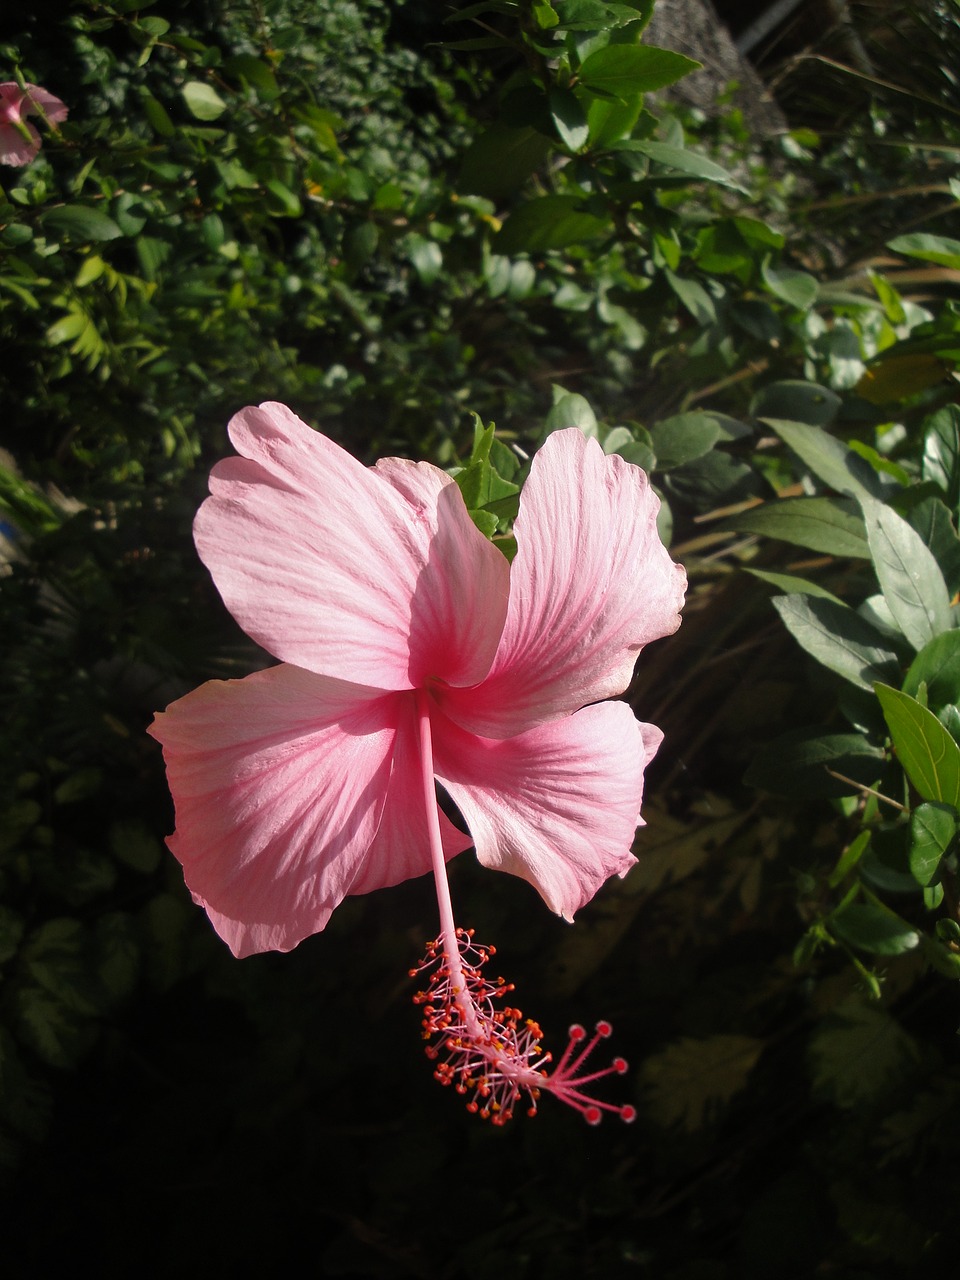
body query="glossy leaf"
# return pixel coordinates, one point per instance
(909, 576)
(829, 459)
(690, 163)
(202, 100)
(930, 248)
(623, 70)
(831, 525)
(839, 638)
(941, 452)
(81, 222)
(937, 667)
(929, 755)
(874, 929)
(933, 828)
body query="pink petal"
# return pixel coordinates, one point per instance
(591, 584)
(349, 571)
(558, 805)
(45, 103)
(280, 782)
(14, 148)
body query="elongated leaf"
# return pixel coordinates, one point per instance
(929, 248)
(941, 452)
(831, 525)
(937, 666)
(794, 400)
(549, 222)
(930, 757)
(796, 763)
(873, 929)
(569, 118)
(933, 828)
(690, 163)
(81, 222)
(932, 521)
(624, 70)
(909, 576)
(831, 460)
(839, 638)
(789, 584)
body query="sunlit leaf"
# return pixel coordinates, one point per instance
(909, 576)
(831, 525)
(933, 828)
(839, 638)
(929, 755)
(202, 100)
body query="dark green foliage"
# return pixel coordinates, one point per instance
(407, 222)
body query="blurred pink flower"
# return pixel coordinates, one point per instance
(410, 650)
(15, 146)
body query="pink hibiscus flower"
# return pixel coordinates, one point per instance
(411, 652)
(19, 140)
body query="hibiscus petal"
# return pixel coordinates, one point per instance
(591, 584)
(45, 103)
(337, 568)
(558, 805)
(280, 782)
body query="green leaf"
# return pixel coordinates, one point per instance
(548, 222)
(690, 1081)
(836, 465)
(790, 584)
(930, 757)
(694, 297)
(930, 248)
(203, 101)
(256, 72)
(909, 576)
(796, 288)
(157, 116)
(941, 452)
(874, 929)
(932, 521)
(796, 401)
(839, 638)
(81, 222)
(933, 828)
(426, 256)
(833, 526)
(571, 410)
(479, 481)
(282, 200)
(859, 1054)
(623, 70)
(133, 843)
(796, 763)
(690, 163)
(683, 438)
(937, 666)
(569, 118)
(500, 160)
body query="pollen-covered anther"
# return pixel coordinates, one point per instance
(489, 1052)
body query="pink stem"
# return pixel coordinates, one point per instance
(448, 929)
